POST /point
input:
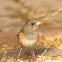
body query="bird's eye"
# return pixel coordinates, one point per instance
(32, 23)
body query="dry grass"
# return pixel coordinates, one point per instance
(39, 59)
(5, 46)
(51, 42)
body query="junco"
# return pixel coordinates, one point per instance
(28, 36)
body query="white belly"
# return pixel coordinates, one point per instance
(28, 43)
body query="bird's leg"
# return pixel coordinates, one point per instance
(33, 54)
(19, 53)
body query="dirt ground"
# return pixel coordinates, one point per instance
(15, 13)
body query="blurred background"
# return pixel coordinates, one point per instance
(14, 13)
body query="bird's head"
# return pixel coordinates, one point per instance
(31, 26)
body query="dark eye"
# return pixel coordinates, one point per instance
(32, 23)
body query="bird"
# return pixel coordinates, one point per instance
(28, 36)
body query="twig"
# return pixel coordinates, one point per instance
(46, 49)
(52, 15)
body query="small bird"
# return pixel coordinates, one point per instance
(28, 36)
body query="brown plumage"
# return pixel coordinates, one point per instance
(28, 36)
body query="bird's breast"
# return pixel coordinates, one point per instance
(28, 40)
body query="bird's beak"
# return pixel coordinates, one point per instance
(38, 23)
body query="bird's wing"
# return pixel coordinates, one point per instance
(19, 33)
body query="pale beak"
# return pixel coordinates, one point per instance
(38, 23)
